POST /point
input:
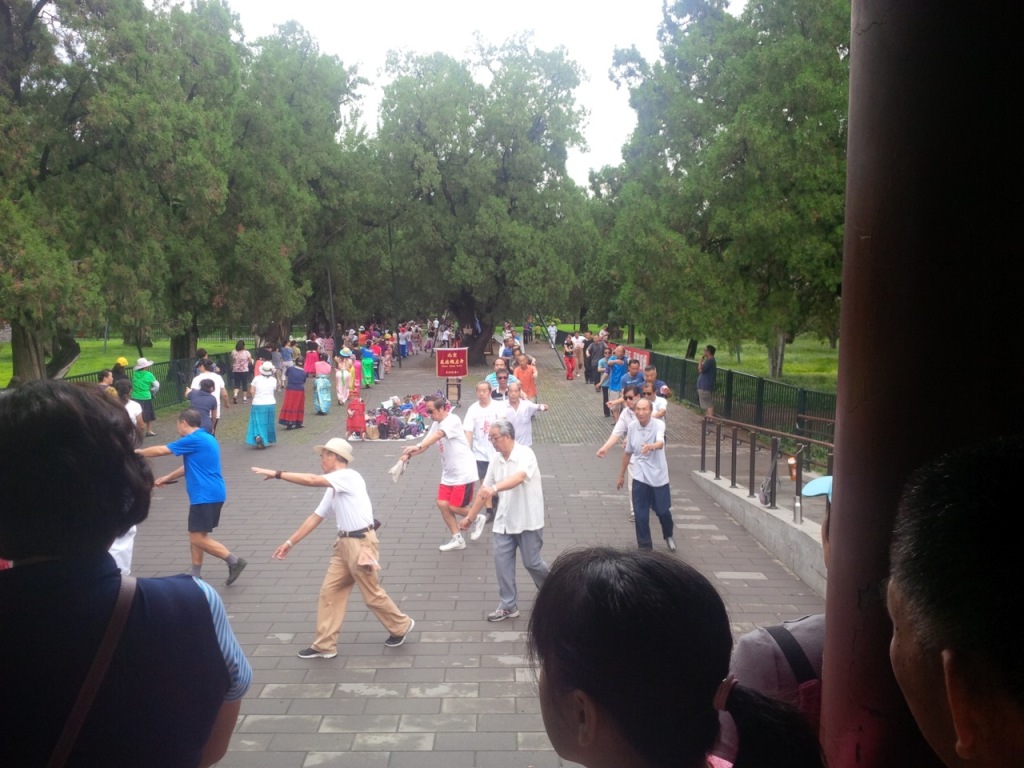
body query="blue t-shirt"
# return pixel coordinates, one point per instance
(615, 374)
(203, 479)
(637, 381)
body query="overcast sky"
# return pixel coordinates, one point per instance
(362, 32)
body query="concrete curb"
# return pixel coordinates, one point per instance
(796, 545)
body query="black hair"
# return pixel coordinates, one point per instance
(437, 402)
(954, 576)
(711, 348)
(201, 353)
(240, 345)
(207, 385)
(593, 615)
(103, 374)
(71, 479)
(123, 387)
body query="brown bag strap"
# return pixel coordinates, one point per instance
(97, 671)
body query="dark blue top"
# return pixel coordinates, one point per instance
(165, 684)
(706, 379)
(295, 378)
(205, 403)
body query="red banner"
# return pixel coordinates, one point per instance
(452, 361)
(636, 353)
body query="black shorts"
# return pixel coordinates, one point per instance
(481, 468)
(148, 414)
(203, 518)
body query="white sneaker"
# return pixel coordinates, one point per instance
(478, 527)
(457, 542)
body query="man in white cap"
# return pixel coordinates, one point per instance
(354, 560)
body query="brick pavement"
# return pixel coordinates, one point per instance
(460, 692)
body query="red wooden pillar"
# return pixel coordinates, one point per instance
(930, 329)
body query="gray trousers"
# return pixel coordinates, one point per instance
(529, 544)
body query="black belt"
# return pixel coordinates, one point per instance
(361, 533)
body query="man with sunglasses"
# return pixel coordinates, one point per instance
(659, 405)
(500, 366)
(458, 467)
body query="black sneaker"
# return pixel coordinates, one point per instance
(394, 641)
(313, 653)
(234, 571)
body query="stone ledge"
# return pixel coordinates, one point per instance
(796, 545)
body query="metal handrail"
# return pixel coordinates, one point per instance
(754, 433)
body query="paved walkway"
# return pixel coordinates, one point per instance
(459, 692)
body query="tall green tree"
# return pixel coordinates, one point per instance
(741, 138)
(484, 168)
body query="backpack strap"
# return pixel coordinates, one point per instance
(794, 654)
(94, 678)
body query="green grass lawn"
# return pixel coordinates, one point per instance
(809, 363)
(93, 358)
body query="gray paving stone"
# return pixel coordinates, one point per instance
(457, 669)
(359, 724)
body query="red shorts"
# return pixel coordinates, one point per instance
(456, 495)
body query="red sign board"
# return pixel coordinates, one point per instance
(452, 362)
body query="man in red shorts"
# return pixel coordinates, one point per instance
(458, 467)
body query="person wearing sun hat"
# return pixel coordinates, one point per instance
(144, 386)
(262, 431)
(354, 559)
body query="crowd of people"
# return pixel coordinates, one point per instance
(170, 695)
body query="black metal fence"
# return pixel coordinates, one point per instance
(174, 377)
(753, 399)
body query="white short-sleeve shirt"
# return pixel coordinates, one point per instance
(458, 467)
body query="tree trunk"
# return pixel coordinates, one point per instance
(183, 345)
(138, 338)
(466, 312)
(276, 332)
(630, 333)
(691, 349)
(65, 352)
(27, 351)
(776, 355)
(584, 327)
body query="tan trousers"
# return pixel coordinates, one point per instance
(343, 573)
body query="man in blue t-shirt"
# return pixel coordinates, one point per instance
(206, 490)
(616, 370)
(633, 374)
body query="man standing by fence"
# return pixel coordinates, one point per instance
(708, 370)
